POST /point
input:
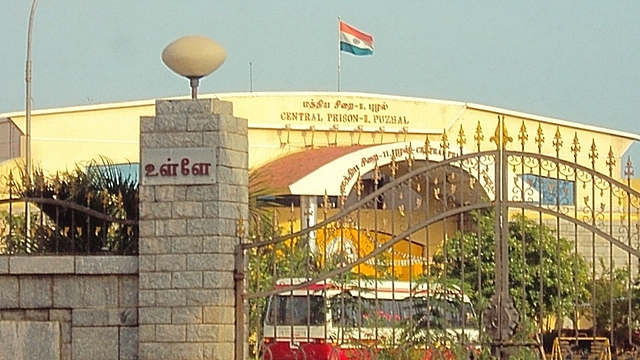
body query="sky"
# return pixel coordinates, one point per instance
(572, 60)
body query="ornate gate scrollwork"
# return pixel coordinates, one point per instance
(477, 253)
(501, 321)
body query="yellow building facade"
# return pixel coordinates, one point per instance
(314, 143)
(282, 123)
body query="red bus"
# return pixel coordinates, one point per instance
(361, 319)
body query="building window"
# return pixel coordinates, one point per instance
(9, 140)
(551, 191)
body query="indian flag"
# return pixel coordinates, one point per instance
(355, 41)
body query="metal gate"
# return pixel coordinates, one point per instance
(449, 253)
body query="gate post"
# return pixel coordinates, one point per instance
(194, 188)
(501, 317)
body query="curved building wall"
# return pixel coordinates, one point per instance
(282, 123)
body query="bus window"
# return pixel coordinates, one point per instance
(354, 311)
(344, 310)
(381, 312)
(408, 309)
(295, 310)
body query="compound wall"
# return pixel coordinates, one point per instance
(69, 307)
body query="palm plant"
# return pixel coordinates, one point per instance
(91, 209)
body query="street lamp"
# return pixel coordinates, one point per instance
(193, 57)
(28, 100)
(27, 117)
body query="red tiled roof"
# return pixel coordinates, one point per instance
(279, 174)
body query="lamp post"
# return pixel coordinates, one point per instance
(28, 165)
(27, 117)
(193, 57)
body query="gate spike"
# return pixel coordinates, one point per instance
(628, 170)
(557, 140)
(501, 140)
(359, 185)
(292, 215)
(539, 138)
(444, 144)
(105, 198)
(57, 185)
(26, 183)
(11, 185)
(611, 160)
(409, 157)
(376, 174)
(522, 135)
(427, 147)
(39, 184)
(325, 203)
(593, 153)
(393, 166)
(120, 202)
(462, 139)
(72, 189)
(10, 182)
(478, 136)
(575, 147)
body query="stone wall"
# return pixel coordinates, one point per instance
(176, 299)
(69, 307)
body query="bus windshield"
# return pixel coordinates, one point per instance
(353, 311)
(296, 310)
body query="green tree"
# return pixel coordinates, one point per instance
(537, 258)
(617, 305)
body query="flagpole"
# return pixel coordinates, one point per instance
(251, 76)
(339, 56)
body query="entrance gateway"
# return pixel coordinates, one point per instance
(477, 246)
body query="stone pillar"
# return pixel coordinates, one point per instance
(194, 188)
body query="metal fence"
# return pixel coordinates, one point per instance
(54, 216)
(493, 253)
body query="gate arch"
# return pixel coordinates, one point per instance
(396, 218)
